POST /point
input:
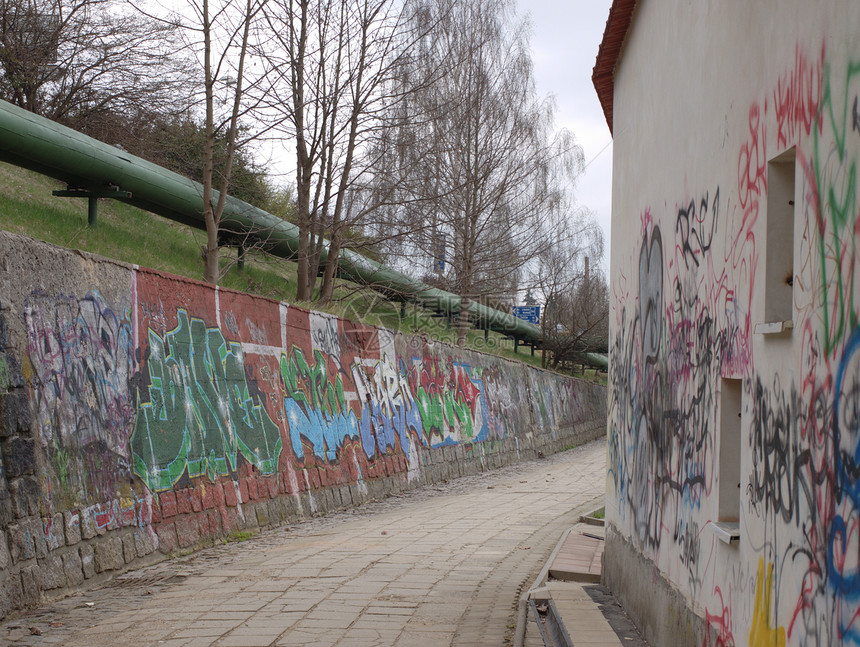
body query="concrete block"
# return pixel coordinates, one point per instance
(31, 586)
(88, 564)
(293, 506)
(89, 528)
(262, 511)
(10, 372)
(278, 512)
(303, 505)
(324, 501)
(8, 414)
(19, 456)
(72, 568)
(445, 471)
(183, 502)
(10, 593)
(231, 497)
(337, 497)
(72, 527)
(144, 541)
(129, 553)
(5, 556)
(334, 496)
(230, 521)
(108, 554)
(210, 524)
(346, 496)
(13, 590)
(25, 495)
(187, 530)
(52, 575)
(27, 540)
(167, 503)
(247, 516)
(54, 530)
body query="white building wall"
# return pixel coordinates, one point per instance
(706, 94)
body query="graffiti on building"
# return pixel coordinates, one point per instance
(690, 324)
(651, 294)
(762, 634)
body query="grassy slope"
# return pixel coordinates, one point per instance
(129, 234)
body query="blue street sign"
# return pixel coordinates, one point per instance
(528, 313)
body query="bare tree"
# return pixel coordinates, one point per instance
(577, 322)
(335, 59)
(574, 293)
(75, 61)
(485, 169)
(222, 35)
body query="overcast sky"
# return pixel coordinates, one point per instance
(565, 39)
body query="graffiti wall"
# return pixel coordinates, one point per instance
(143, 413)
(776, 560)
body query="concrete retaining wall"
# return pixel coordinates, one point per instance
(144, 414)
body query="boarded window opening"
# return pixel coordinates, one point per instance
(779, 281)
(731, 407)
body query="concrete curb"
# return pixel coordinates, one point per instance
(540, 580)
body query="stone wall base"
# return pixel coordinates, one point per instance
(50, 564)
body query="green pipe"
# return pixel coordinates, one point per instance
(36, 143)
(596, 359)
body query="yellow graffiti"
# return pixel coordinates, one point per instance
(761, 633)
(27, 370)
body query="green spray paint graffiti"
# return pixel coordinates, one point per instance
(315, 405)
(5, 375)
(834, 196)
(450, 401)
(196, 412)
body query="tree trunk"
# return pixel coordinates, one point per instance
(210, 252)
(327, 289)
